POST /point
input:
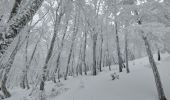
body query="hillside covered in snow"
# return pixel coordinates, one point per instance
(138, 85)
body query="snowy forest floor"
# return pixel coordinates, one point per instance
(138, 85)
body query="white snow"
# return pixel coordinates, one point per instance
(138, 85)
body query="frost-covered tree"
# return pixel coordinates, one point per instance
(18, 22)
(13, 28)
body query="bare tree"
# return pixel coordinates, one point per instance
(79, 64)
(7, 67)
(1, 17)
(84, 52)
(118, 48)
(24, 80)
(155, 70)
(50, 51)
(101, 50)
(75, 31)
(60, 49)
(126, 53)
(19, 22)
(159, 55)
(158, 82)
(108, 62)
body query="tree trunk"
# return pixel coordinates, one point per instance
(50, 51)
(94, 54)
(7, 67)
(104, 60)
(159, 55)
(25, 72)
(23, 80)
(126, 53)
(19, 22)
(58, 71)
(101, 50)
(159, 86)
(118, 49)
(3, 86)
(72, 64)
(84, 53)
(155, 70)
(80, 60)
(68, 61)
(60, 50)
(75, 31)
(1, 18)
(108, 62)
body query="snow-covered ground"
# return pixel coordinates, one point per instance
(138, 85)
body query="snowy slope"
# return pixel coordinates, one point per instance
(138, 85)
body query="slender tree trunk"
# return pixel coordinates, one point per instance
(110, 65)
(11, 60)
(126, 53)
(23, 80)
(58, 71)
(80, 60)
(155, 70)
(104, 60)
(101, 50)
(84, 53)
(50, 51)
(1, 18)
(7, 67)
(68, 61)
(28, 63)
(3, 86)
(159, 55)
(77, 72)
(60, 50)
(108, 62)
(94, 54)
(75, 31)
(158, 82)
(72, 64)
(118, 49)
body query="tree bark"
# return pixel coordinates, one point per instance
(60, 50)
(101, 50)
(155, 70)
(159, 55)
(75, 31)
(158, 82)
(7, 67)
(50, 51)
(108, 62)
(1, 18)
(80, 60)
(94, 54)
(84, 53)
(118, 49)
(68, 61)
(24, 78)
(19, 22)
(126, 53)
(28, 63)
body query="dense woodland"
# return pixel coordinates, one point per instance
(50, 40)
